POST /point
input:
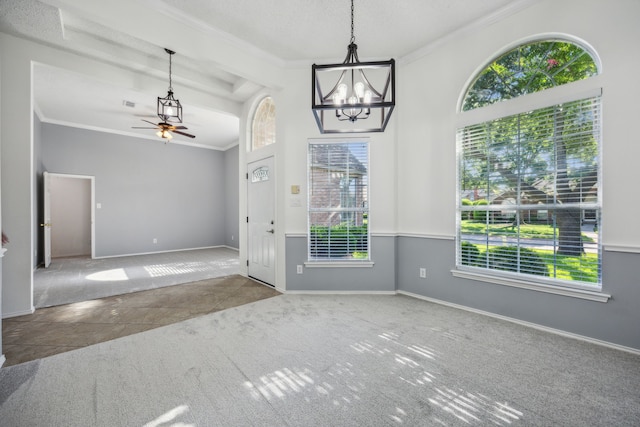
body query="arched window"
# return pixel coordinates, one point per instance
(527, 69)
(263, 128)
(529, 172)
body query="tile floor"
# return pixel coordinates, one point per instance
(54, 330)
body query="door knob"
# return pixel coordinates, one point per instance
(46, 224)
(271, 231)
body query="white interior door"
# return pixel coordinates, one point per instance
(261, 221)
(47, 219)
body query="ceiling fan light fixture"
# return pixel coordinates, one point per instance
(164, 134)
(356, 91)
(169, 109)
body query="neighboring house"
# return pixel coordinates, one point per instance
(345, 185)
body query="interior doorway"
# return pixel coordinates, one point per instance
(69, 216)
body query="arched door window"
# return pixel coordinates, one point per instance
(263, 128)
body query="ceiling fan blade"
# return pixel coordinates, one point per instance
(180, 127)
(155, 124)
(184, 133)
(140, 127)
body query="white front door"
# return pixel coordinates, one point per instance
(261, 221)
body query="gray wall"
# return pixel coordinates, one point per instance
(147, 189)
(615, 321)
(232, 199)
(379, 278)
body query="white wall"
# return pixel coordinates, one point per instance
(296, 125)
(432, 85)
(430, 89)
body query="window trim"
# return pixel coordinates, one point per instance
(569, 92)
(504, 279)
(575, 91)
(339, 262)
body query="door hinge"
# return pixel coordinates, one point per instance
(247, 220)
(247, 263)
(247, 175)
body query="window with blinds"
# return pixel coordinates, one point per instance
(529, 193)
(338, 201)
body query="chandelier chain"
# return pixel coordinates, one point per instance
(353, 38)
(170, 88)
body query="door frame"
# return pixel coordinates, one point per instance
(47, 198)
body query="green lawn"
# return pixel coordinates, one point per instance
(582, 268)
(575, 268)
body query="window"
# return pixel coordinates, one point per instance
(263, 129)
(338, 201)
(529, 199)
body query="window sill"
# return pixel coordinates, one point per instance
(338, 264)
(533, 286)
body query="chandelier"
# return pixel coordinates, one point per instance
(169, 108)
(353, 96)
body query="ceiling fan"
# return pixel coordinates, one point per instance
(165, 129)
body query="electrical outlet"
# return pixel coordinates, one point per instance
(299, 269)
(423, 273)
(155, 241)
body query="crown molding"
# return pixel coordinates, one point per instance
(509, 10)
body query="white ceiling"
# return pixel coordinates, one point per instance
(226, 51)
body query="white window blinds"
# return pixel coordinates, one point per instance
(529, 193)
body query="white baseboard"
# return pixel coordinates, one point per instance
(525, 323)
(297, 292)
(164, 252)
(2, 360)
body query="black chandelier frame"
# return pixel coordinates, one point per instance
(332, 108)
(169, 109)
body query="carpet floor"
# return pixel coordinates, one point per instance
(54, 330)
(329, 360)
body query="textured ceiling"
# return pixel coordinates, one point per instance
(313, 29)
(227, 50)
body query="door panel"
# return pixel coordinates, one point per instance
(261, 221)
(47, 219)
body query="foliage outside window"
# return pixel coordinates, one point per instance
(529, 183)
(263, 129)
(338, 205)
(527, 69)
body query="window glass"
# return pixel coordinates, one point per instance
(529, 184)
(263, 129)
(529, 68)
(338, 201)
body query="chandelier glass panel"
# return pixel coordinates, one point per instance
(343, 95)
